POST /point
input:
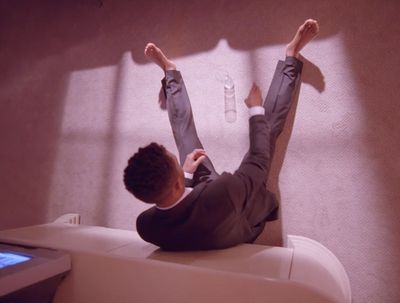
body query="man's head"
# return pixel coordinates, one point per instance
(153, 175)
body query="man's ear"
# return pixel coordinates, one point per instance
(179, 183)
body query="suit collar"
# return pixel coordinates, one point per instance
(184, 203)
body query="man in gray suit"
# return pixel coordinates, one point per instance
(195, 207)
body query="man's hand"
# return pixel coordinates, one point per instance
(254, 98)
(193, 160)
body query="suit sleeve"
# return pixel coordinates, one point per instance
(253, 170)
(188, 182)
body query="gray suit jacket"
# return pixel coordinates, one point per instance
(219, 213)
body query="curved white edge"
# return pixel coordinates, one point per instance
(147, 280)
(316, 266)
(313, 273)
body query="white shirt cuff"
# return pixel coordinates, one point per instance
(188, 175)
(256, 110)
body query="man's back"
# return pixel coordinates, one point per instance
(214, 215)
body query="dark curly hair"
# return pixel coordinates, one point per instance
(149, 173)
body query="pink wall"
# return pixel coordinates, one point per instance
(78, 98)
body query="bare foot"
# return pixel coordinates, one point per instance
(157, 56)
(306, 32)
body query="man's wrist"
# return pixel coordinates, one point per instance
(256, 110)
(188, 175)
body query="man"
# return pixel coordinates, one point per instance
(196, 208)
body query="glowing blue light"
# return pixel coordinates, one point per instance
(9, 259)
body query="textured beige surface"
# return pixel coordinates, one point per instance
(77, 98)
(305, 272)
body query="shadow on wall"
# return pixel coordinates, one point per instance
(375, 65)
(42, 44)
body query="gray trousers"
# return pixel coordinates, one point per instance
(277, 105)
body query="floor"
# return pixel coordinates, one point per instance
(78, 98)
